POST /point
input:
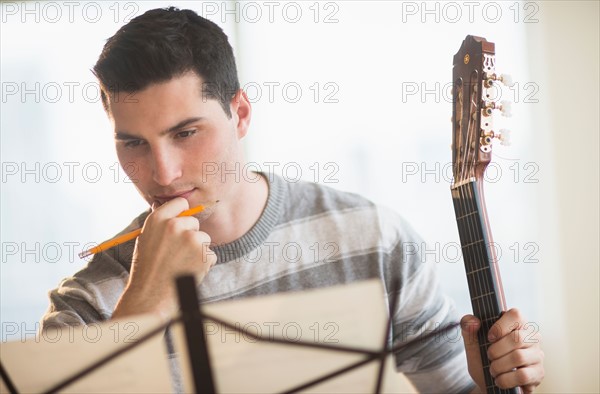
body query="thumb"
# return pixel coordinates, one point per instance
(470, 326)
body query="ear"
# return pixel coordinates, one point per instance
(241, 111)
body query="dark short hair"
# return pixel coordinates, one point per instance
(165, 43)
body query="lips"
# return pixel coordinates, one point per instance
(167, 197)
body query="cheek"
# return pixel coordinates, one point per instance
(134, 171)
(206, 153)
(134, 167)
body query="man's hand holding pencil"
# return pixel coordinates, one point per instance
(169, 244)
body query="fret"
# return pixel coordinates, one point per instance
(477, 253)
(478, 270)
(467, 215)
(484, 295)
(489, 319)
(472, 244)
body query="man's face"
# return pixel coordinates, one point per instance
(173, 142)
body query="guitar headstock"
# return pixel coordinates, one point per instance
(474, 77)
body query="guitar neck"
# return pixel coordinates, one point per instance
(483, 276)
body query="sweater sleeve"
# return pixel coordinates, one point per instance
(91, 294)
(438, 363)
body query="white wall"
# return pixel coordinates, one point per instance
(365, 131)
(564, 57)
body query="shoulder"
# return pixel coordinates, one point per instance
(100, 283)
(326, 207)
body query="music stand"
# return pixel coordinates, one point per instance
(193, 319)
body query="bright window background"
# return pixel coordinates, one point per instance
(351, 94)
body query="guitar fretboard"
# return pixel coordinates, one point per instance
(485, 287)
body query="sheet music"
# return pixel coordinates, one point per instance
(352, 315)
(38, 364)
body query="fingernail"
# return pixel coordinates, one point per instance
(491, 337)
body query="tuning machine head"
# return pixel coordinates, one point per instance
(488, 137)
(504, 137)
(489, 79)
(506, 108)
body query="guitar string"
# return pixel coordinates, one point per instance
(472, 225)
(468, 124)
(482, 277)
(469, 255)
(460, 112)
(482, 254)
(477, 275)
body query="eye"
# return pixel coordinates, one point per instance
(133, 143)
(185, 133)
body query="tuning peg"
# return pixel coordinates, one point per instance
(504, 137)
(507, 80)
(506, 108)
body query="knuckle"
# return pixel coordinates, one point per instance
(190, 237)
(153, 217)
(171, 225)
(516, 314)
(502, 381)
(520, 338)
(519, 357)
(493, 370)
(204, 237)
(523, 376)
(496, 330)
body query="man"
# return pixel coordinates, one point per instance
(170, 87)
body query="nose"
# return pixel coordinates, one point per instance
(166, 166)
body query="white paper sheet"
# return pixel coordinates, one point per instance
(38, 364)
(353, 315)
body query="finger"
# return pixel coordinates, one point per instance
(528, 388)
(523, 377)
(189, 223)
(202, 241)
(211, 257)
(470, 325)
(509, 321)
(170, 209)
(518, 339)
(515, 359)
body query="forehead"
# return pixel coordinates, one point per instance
(161, 105)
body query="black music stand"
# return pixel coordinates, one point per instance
(193, 318)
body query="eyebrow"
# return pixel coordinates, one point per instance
(123, 135)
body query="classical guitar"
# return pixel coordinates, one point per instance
(474, 77)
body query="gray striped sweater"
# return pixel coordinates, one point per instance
(308, 236)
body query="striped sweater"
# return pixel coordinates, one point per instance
(308, 236)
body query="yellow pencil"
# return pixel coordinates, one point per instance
(111, 243)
